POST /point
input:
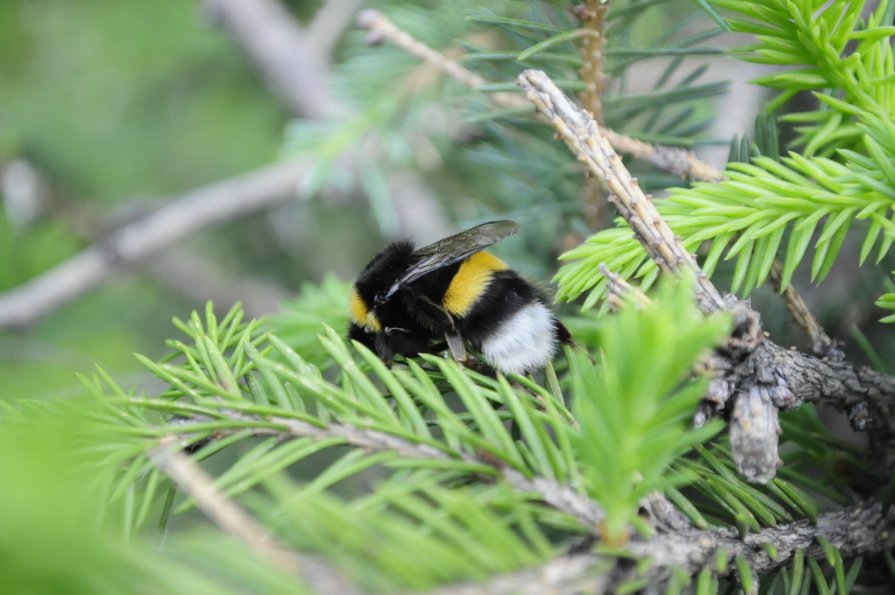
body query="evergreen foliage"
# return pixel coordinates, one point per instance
(427, 474)
(771, 207)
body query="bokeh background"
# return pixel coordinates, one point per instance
(110, 110)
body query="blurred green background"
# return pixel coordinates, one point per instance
(109, 109)
(116, 103)
(115, 108)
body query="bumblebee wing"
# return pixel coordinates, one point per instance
(450, 250)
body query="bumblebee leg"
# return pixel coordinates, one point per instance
(440, 319)
(384, 349)
(455, 344)
(563, 334)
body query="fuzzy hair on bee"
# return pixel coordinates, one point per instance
(452, 294)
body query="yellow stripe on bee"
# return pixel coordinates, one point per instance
(360, 314)
(471, 282)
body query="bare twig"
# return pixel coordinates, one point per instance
(193, 480)
(678, 161)
(561, 497)
(853, 531)
(380, 27)
(760, 376)
(184, 215)
(821, 343)
(331, 20)
(620, 290)
(293, 68)
(593, 15)
(585, 139)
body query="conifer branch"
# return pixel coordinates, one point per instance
(662, 514)
(168, 456)
(585, 139)
(760, 377)
(679, 162)
(593, 15)
(821, 343)
(853, 531)
(561, 497)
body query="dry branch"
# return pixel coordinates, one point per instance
(759, 377)
(182, 216)
(560, 497)
(678, 161)
(204, 279)
(331, 20)
(854, 531)
(585, 139)
(821, 343)
(225, 513)
(290, 65)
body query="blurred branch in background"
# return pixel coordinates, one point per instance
(331, 20)
(202, 278)
(677, 161)
(130, 244)
(295, 68)
(192, 479)
(291, 65)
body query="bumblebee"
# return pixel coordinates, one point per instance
(452, 293)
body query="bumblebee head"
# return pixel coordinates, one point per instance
(373, 286)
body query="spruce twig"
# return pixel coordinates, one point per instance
(168, 456)
(855, 530)
(821, 343)
(679, 162)
(593, 15)
(762, 376)
(561, 497)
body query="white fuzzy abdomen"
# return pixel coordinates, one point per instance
(525, 341)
